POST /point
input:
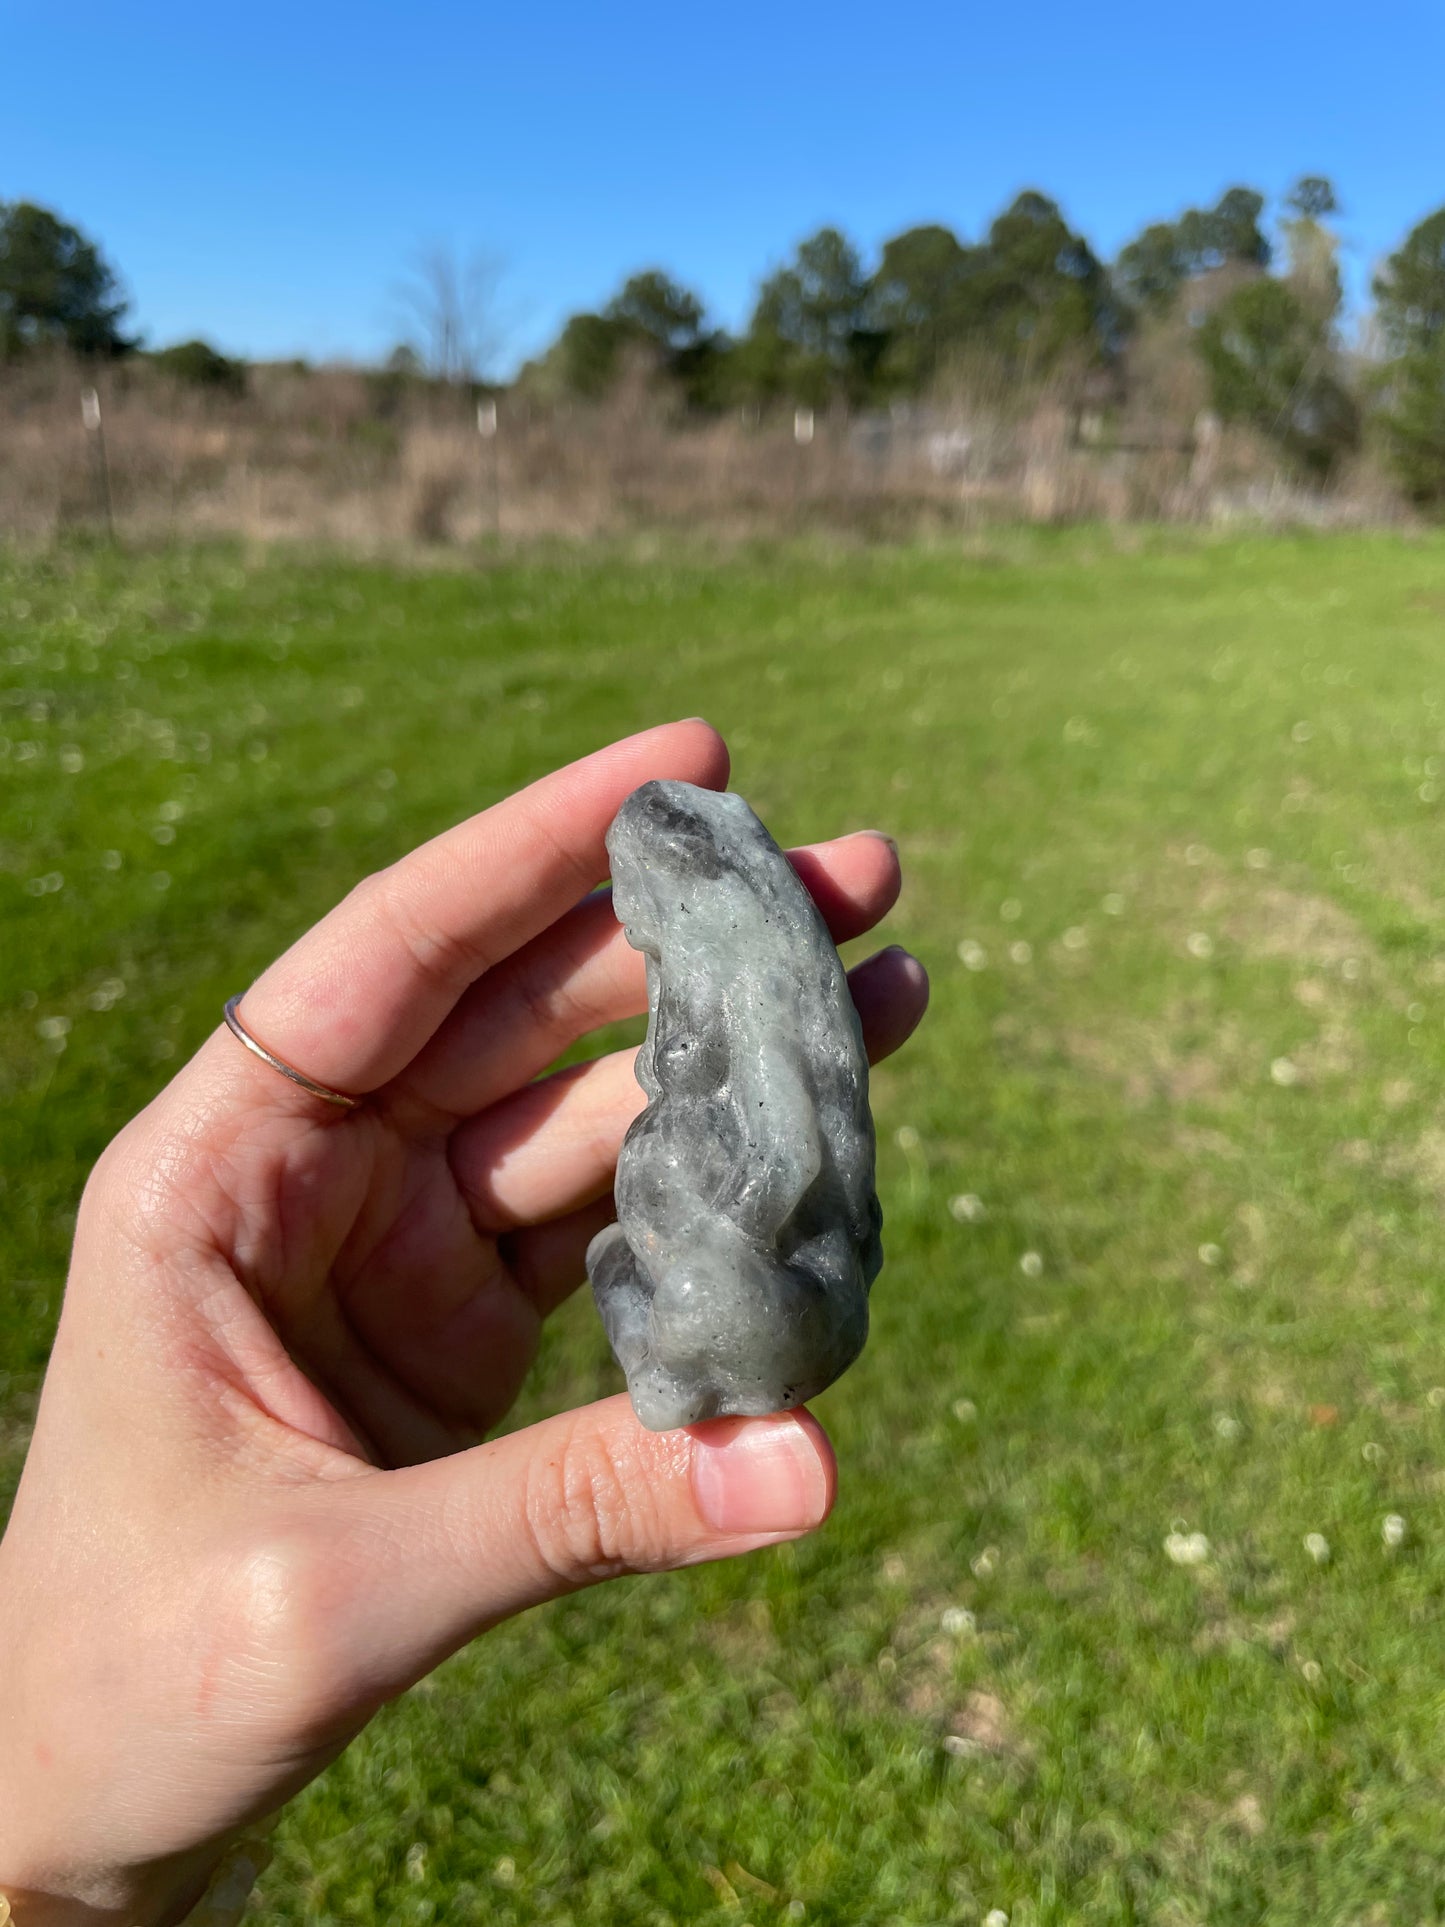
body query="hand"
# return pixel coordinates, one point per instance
(256, 1506)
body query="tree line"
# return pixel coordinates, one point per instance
(1029, 302)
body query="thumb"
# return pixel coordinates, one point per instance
(454, 1546)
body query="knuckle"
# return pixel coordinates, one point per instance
(440, 956)
(591, 1511)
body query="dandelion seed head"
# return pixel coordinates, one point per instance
(1392, 1530)
(1199, 943)
(1284, 1071)
(1010, 910)
(906, 1138)
(972, 955)
(1227, 1426)
(1021, 953)
(1210, 1254)
(1318, 1547)
(1031, 1264)
(1075, 937)
(959, 1622)
(966, 1208)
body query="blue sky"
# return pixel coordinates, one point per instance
(261, 174)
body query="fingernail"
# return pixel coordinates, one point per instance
(761, 1475)
(884, 837)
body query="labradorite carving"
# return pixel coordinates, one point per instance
(736, 1278)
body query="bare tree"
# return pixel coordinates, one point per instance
(452, 319)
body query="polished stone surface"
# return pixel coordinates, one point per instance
(737, 1278)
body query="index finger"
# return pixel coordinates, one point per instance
(354, 1000)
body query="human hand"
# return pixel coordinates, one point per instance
(256, 1506)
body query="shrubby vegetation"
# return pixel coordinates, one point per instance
(1202, 308)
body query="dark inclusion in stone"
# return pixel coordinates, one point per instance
(737, 1278)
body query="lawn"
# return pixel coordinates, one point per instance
(1163, 1177)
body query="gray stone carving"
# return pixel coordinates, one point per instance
(737, 1278)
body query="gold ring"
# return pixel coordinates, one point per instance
(323, 1091)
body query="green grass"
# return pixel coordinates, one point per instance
(1204, 783)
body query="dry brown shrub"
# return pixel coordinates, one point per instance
(337, 454)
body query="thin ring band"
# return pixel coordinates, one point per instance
(323, 1091)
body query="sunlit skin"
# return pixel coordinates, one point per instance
(256, 1505)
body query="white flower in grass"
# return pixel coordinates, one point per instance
(1031, 1264)
(972, 955)
(1210, 1254)
(1199, 944)
(1187, 1548)
(959, 1623)
(1393, 1529)
(967, 1208)
(995, 1917)
(984, 1564)
(907, 1138)
(1227, 1427)
(1075, 937)
(1312, 1670)
(965, 1411)
(1318, 1547)
(1284, 1071)
(1021, 953)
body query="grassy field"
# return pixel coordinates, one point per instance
(1163, 1177)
